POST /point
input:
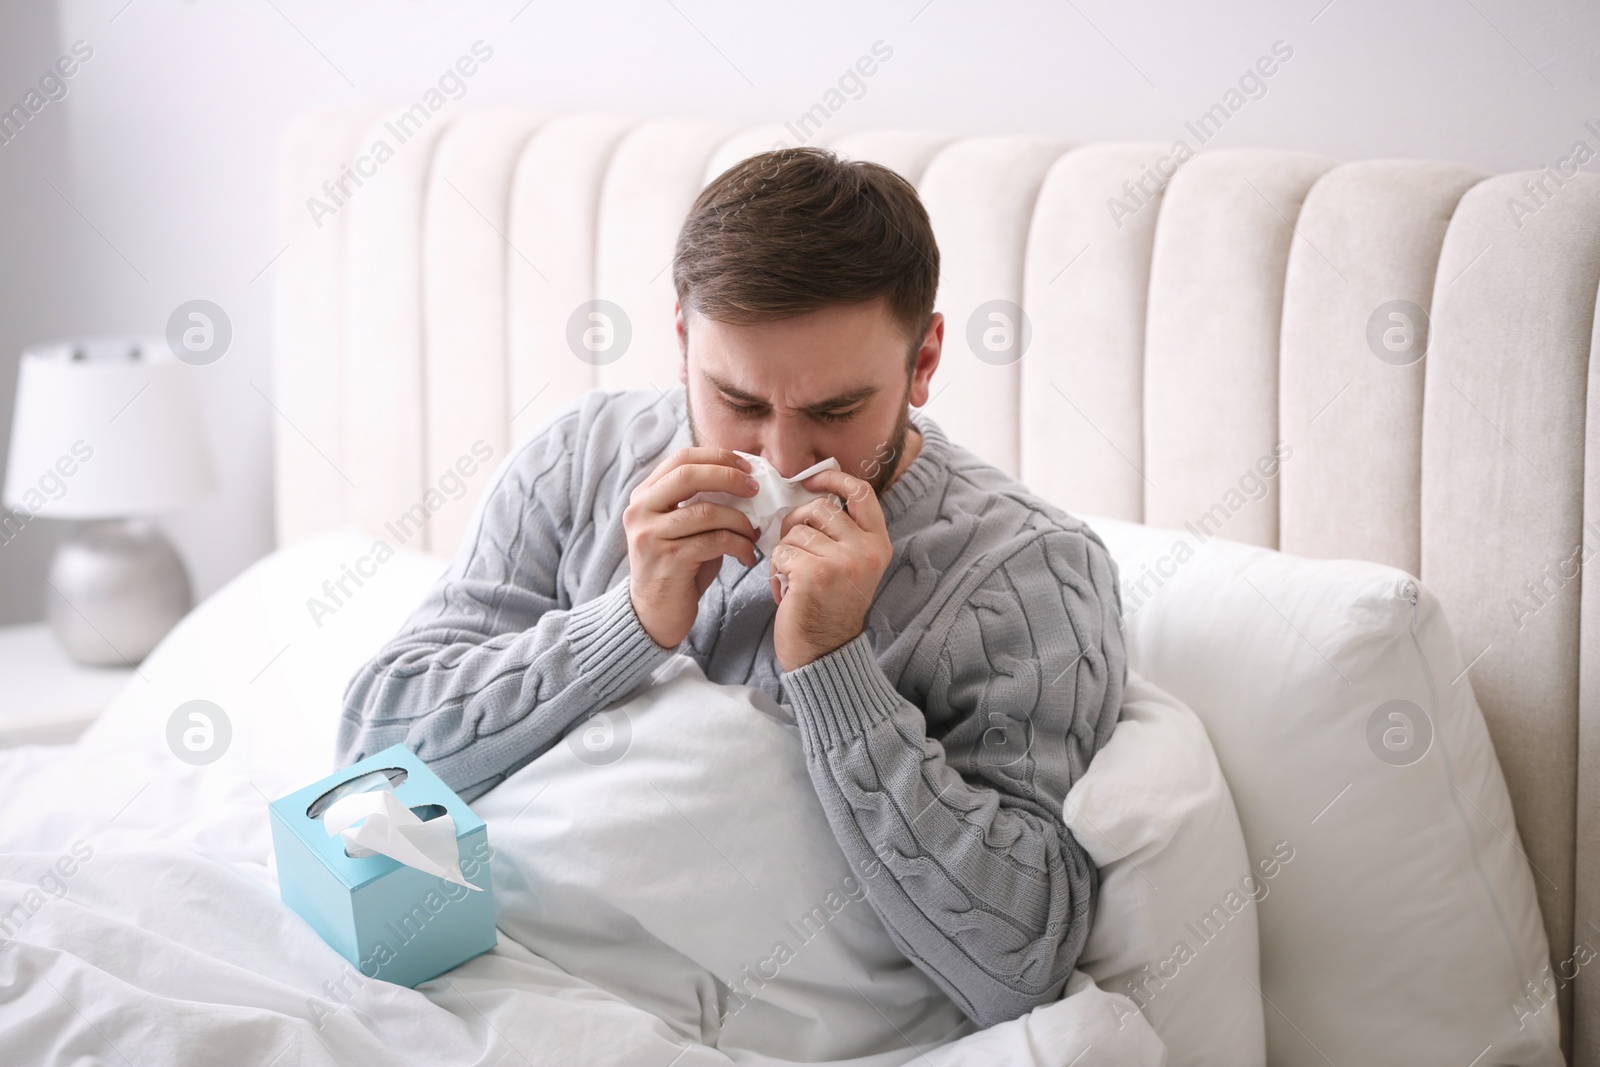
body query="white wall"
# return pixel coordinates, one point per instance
(42, 287)
(166, 143)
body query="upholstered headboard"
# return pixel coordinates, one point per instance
(1418, 334)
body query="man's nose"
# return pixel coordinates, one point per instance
(786, 446)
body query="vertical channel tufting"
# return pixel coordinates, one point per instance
(386, 432)
(1211, 341)
(554, 219)
(1502, 493)
(1350, 394)
(906, 152)
(980, 194)
(464, 270)
(755, 140)
(309, 302)
(654, 176)
(1086, 287)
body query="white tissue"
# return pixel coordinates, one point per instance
(379, 822)
(777, 497)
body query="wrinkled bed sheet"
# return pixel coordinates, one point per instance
(165, 942)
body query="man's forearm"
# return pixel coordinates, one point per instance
(990, 898)
(475, 705)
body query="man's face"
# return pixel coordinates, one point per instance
(832, 382)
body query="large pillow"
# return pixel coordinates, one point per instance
(274, 649)
(1175, 921)
(672, 850)
(1405, 929)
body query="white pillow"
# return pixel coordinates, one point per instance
(1406, 925)
(1175, 920)
(668, 846)
(274, 649)
(256, 651)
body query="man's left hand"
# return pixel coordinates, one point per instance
(833, 558)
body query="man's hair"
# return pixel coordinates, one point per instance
(794, 230)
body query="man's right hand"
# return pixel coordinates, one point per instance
(674, 553)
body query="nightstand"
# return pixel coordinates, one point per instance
(46, 697)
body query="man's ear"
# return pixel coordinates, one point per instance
(927, 360)
(682, 330)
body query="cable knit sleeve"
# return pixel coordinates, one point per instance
(987, 891)
(492, 668)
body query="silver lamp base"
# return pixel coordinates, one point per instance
(116, 588)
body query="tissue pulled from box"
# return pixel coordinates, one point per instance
(777, 496)
(378, 822)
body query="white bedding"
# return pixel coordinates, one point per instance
(144, 922)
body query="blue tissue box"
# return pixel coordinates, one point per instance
(391, 921)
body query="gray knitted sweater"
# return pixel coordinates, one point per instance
(941, 741)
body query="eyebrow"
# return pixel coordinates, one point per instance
(842, 400)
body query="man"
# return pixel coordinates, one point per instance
(949, 643)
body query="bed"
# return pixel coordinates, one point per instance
(1421, 350)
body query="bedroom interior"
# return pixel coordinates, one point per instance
(1323, 386)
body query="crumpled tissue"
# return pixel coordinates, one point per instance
(378, 822)
(777, 497)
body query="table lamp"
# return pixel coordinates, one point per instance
(108, 429)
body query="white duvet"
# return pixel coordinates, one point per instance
(140, 922)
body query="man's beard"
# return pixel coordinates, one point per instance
(887, 457)
(890, 463)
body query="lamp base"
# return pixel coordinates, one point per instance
(116, 588)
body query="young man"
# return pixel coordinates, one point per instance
(949, 642)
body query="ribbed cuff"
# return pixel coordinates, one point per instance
(612, 649)
(838, 697)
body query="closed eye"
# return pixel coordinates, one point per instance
(751, 411)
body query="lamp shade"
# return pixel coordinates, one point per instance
(105, 428)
